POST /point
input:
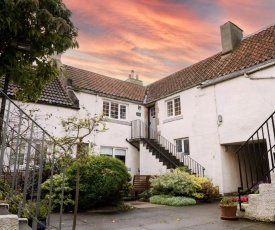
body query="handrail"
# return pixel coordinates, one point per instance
(256, 158)
(141, 130)
(23, 136)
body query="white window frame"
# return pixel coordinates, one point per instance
(172, 113)
(113, 152)
(185, 145)
(23, 150)
(121, 113)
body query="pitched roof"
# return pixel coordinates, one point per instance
(252, 50)
(53, 94)
(105, 85)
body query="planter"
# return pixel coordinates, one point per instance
(228, 213)
(39, 226)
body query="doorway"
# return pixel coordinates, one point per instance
(152, 122)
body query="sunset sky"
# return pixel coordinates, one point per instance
(156, 37)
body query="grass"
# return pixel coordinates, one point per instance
(172, 200)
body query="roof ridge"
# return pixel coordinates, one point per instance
(258, 31)
(254, 49)
(101, 75)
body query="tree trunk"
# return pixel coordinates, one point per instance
(76, 194)
(3, 105)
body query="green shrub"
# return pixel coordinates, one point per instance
(145, 195)
(204, 188)
(56, 193)
(103, 180)
(172, 200)
(175, 183)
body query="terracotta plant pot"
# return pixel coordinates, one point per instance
(228, 213)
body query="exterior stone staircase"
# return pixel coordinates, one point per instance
(261, 207)
(10, 221)
(163, 155)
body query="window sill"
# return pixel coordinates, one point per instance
(119, 122)
(173, 119)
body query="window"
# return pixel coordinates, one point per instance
(153, 112)
(173, 107)
(114, 110)
(19, 150)
(182, 145)
(122, 112)
(106, 110)
(114, 152)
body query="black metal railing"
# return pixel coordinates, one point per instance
(256, 158)
(142, 131)
(26, 151)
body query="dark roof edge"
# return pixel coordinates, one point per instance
(54, 104)
(220, 79)
(171, 94)
(251, 69)
(108, 95)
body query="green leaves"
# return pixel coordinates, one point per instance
(45, 27)
(104, 180)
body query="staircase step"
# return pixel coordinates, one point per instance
(266, 188)
(23, 224)
(162, 154)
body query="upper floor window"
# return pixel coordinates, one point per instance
(173, 107)
(114, 110)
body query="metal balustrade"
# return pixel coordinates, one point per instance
(256, 158)
(168, 150)
(26, 148)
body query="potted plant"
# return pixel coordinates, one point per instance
(30, 211)
(228, 207)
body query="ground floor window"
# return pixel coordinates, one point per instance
(118, 153)
(182, 145)
(20, 148)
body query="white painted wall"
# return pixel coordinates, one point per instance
(116, 133)
(198, 123)
(244, 105)
(149, 165)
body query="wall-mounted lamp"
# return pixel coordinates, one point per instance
(139, 107)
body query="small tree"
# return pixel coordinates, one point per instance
(75, 130)
(30, 32)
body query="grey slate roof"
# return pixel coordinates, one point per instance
(53, 94)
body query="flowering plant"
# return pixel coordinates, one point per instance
(244, 199)
(228, 202)
(204, 188)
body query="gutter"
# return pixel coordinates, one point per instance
(106, 95)
(245, 71)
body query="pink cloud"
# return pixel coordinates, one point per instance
(156, 37)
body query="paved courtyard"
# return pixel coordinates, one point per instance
(146, 216)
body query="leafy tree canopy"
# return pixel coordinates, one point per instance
(30, 32)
